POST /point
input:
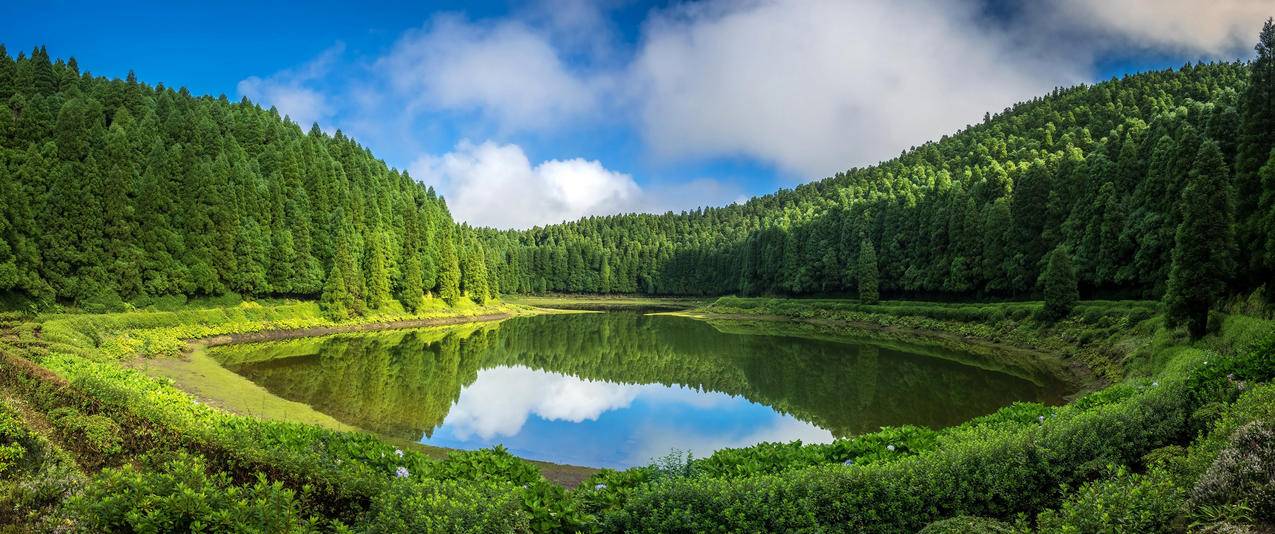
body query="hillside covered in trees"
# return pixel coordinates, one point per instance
(1099, 171)
(114, 191)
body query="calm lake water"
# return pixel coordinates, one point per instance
(617, 389)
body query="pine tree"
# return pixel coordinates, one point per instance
(868, 273)
(1061, 292)
(474, 274)
(449, 270)
(1257, 123)
(347, 267)
(378, 281)
(413, 291)
(335, 300)
(1204, 243)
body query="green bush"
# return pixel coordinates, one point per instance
(97, 435)
(1243, 475)
(11, 434)
(446, 506)
(968, 525)
(1123, 502)
(176, 493)
(988, 471)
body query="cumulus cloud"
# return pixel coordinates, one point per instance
(493, 184)
(507, 72)
(293, 92)
(1218, 28)
(809, 86)
(817, 87)
(523, 392)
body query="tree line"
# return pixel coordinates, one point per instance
(1151, 184)
(113, 191)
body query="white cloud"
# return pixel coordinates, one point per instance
(492, 184)
(495, 185)
(523, 392)
(810, 86)
(817, 87)
(507, 72)
(292, 91)
(1218, 28)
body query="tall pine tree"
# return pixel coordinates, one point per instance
(1203, 253)
(868, 273)
(1061, 292)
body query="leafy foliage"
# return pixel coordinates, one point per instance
(113, 191)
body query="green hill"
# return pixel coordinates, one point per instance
(114, 190)
(1098, 169)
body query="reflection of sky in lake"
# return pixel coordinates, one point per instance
(554, 417)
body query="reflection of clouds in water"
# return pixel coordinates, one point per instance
(659, 440)
(521, 391)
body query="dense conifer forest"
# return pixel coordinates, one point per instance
(1141, 209)
(1108, 172)
(115, 191)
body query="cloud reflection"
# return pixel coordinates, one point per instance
(499, 402)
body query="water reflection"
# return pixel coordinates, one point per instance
(617, 389)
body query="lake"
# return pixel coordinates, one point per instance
(617, 389)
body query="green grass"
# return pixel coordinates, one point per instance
(605, 302)
(1171, 410)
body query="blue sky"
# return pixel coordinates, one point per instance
(531, 113)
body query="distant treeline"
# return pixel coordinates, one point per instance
(113, 191)
(1099, 171)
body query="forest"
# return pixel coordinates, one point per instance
(1107, 173)
(114, 192)
(119, 192)
(1118, 237)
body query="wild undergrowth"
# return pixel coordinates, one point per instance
(1169, 444)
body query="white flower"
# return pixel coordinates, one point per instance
(600, 487)
(1042, 418)
(402, 472)
(849, 462)
(399, 452)
(889, 448)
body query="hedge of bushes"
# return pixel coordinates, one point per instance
(992, 468)
(1128, 449)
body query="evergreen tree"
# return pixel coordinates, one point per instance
(413, 291)
(378, 281)
(474, 274)
(868, 274)
(336, 299)
(1061, 292)
(355, 289)
(1257, 123)
(449, 270)
(1204, 243)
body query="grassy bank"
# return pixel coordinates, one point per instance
(606, 302)
(1148, 453)
(1157, 449)
(75, 377)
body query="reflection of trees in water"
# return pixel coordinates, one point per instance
(404, 384)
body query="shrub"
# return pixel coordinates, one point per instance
(1243, 474)
(1123, 502)
(446, 506)
(177, 493)
(96, 435)
(968, 525)
(11, 433)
